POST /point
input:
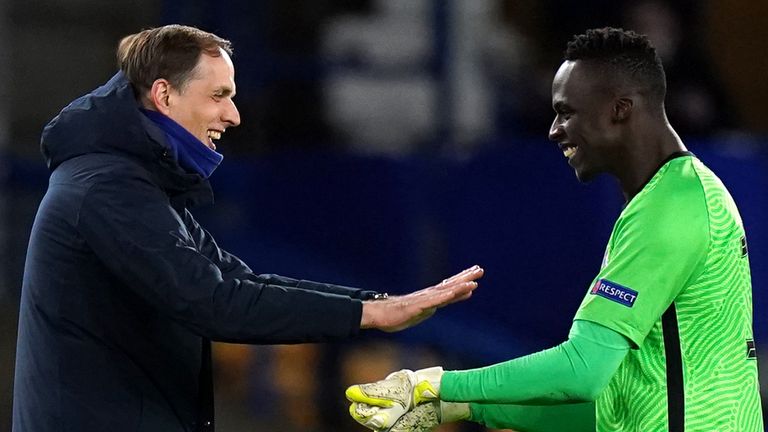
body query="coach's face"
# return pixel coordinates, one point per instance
(204, 105)
(583, 125)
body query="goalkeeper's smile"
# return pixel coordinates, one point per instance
(587, 125)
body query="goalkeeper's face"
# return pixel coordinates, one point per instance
(584, 128)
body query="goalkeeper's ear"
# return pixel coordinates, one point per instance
(622, 109)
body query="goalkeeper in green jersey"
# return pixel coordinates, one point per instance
(663, 338)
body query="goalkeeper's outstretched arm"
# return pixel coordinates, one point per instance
(574, 372)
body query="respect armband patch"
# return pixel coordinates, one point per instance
(614, 292)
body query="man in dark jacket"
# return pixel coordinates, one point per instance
(123, 290)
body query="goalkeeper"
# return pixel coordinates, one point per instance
(663, 338)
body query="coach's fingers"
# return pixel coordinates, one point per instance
(473, 273)
(429, 297)
(461, 298)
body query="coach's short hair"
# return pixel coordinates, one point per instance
(622, 52)
(170, 52)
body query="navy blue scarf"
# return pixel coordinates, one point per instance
(189, 152)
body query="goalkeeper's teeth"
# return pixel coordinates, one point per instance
(569, 152)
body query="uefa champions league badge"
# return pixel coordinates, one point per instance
(614, 292)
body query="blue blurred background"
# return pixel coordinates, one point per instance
(387, 144)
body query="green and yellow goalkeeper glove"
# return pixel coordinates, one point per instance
(404, 401)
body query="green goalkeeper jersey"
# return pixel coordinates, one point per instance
(675, 281)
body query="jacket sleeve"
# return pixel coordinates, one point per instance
(132, 228)
(232, 266)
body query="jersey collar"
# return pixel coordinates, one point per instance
(669, 158)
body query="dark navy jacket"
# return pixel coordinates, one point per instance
(123, 291)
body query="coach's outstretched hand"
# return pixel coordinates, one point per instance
(400, 312)
(404, 401)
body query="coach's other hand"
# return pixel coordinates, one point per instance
(400, 312)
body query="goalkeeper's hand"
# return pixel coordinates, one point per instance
(380, 404)
(422, 418)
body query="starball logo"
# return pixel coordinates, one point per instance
(614, 292)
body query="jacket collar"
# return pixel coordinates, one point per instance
(109, 120)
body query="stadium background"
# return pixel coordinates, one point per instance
(385, 144)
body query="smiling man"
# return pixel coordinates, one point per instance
(663, 338)
(123, 290)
